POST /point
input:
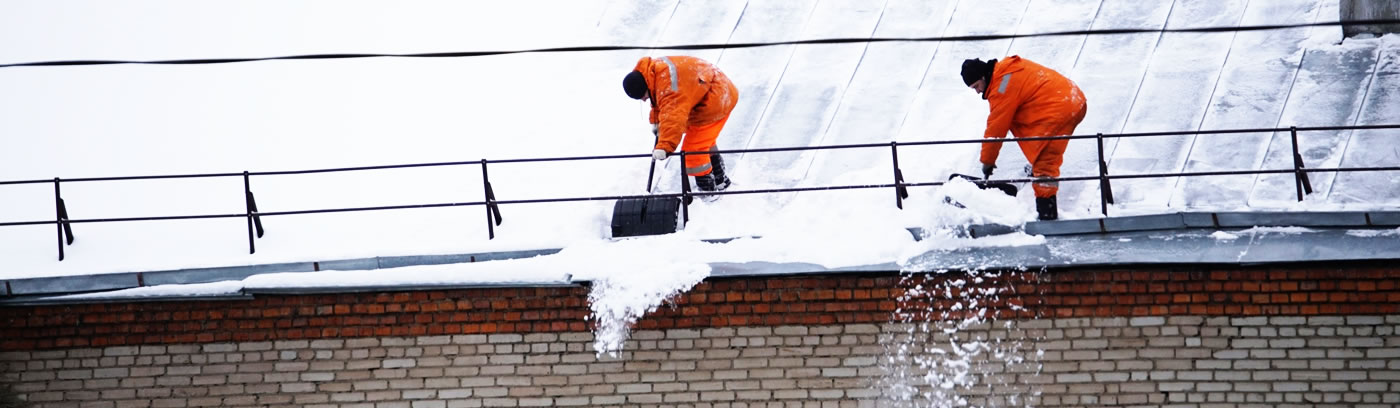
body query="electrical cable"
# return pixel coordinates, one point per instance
(982, 37)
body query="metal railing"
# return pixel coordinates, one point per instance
(63, 223)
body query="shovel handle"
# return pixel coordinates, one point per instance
(651, 174)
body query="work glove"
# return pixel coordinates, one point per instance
(987, 170)
(658, 155)
(656, 129)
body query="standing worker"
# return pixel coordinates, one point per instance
(690, 101)
(1029, 100)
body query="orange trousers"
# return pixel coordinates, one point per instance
(699, 141)
(1046, 156)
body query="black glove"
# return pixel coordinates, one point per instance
(987, 170)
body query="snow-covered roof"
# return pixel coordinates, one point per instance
(131, 120)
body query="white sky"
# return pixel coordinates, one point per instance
(129, 120)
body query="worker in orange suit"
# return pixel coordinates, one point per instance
(1029, 100)
(690, 102)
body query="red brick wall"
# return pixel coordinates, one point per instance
(1336, 289)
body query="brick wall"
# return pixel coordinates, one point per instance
(1307, 336)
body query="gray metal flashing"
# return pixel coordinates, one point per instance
(1144, 223)
(1180, 238)
(1199, 220)
(59, 300)
(1292, 219)
(128, 280)
(1064, 227)
(740, 269)
(987, 230)
(415, 260)
(400, 288)
(759, 268)
(206, 275)
(71, 284)
(1157, 247)
(1385, 218)
(360, 264)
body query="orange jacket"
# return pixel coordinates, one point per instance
(685, 92)
(1029, 100)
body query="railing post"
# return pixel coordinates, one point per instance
(1105, 189)
(61, 219)
(685, 192)
(492, 209)
(900, 192)
(1300, 177)
(251, 209)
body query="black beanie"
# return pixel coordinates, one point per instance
(634, 85)
(975, 69)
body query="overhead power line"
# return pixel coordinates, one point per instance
(981, 37)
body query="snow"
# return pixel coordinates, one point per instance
(1383, 100)
(942, 355)
(1109, 70)
(1277, 230)
(1254, 232)
(1185, 71)
(618, 300)
(133, 120)
(1224, 236)
(1250, 98)
(1374, 233)
(225, 288)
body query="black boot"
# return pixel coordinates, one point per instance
(717, 169)
(1047, 208)
(705, 182)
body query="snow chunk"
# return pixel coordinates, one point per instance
(1224, 236)
(1374, 233)
(1276, 230)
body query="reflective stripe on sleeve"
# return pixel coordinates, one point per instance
(1004, 79)
(672, 66)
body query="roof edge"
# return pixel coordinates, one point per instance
(1068, 243)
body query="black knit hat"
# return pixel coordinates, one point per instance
(975, 69)
(634, 85)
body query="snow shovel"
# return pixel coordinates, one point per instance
(653, 215)
(1008, 188)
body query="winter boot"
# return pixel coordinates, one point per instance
(1047, 208)
(717, 170)
(706, 183)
